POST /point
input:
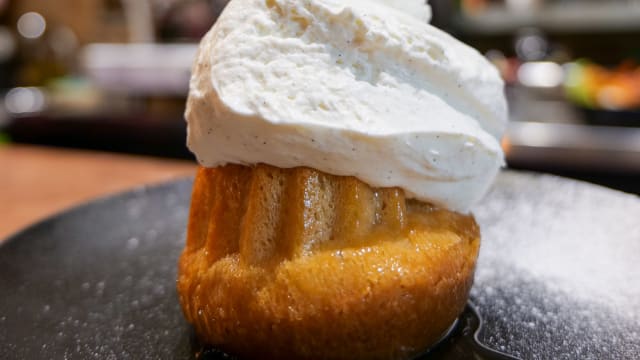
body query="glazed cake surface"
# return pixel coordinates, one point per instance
(299, 263)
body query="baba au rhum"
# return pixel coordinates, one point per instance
(341, 144)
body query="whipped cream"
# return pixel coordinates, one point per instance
(352, 88)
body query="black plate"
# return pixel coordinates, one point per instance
(558, 275)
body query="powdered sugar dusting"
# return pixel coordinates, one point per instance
(559, 259)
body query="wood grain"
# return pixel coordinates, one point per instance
(36, 182)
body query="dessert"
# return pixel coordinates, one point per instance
(342, 144)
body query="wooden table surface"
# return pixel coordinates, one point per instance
(36, 181)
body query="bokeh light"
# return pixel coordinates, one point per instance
(24, 100)
(31, 25)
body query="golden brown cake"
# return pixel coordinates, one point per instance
(296, 263)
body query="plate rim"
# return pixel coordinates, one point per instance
(101, 199)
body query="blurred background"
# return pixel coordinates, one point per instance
(112, 76)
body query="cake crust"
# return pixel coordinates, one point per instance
(295, 263)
